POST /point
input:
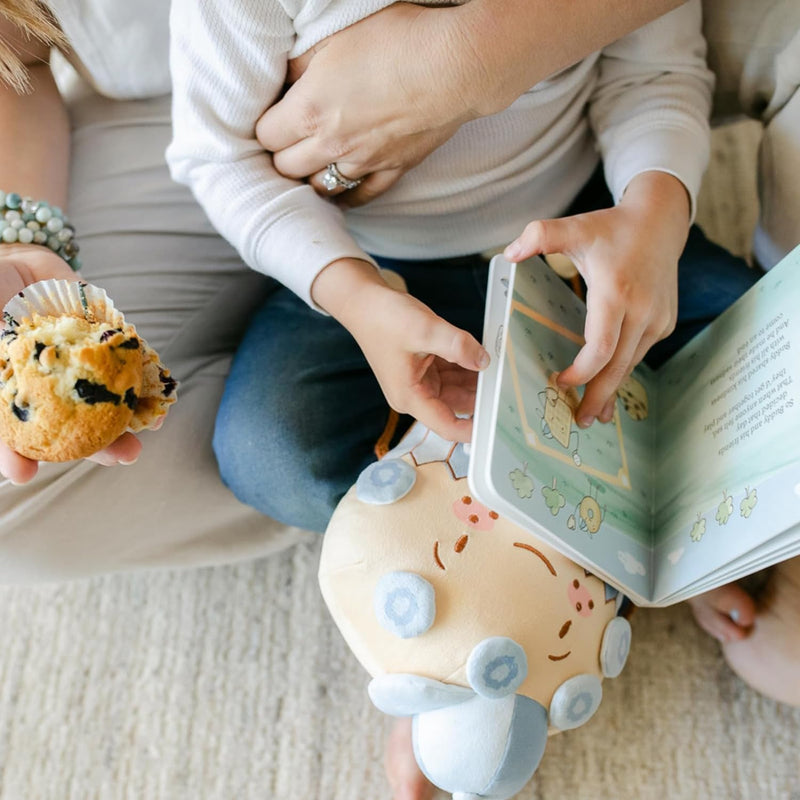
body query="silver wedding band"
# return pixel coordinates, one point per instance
(332, 179)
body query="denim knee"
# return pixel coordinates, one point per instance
(271, 478)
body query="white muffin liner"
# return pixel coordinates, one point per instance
(56, 298)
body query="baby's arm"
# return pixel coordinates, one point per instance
(223, 80)
(649, 111)
(228, 63)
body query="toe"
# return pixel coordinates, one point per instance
(726, 613)
(733, 602)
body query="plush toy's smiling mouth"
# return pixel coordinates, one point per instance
(561, 634)
(560, 658)
(458, 547)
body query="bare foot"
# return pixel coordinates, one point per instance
(769, 659)
(405, 777)
(727, 613)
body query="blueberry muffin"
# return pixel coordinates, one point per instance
(69, 386)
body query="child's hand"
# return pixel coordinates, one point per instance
(21, 265)
(425, 366)
(628, 256)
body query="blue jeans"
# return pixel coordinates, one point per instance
(302, 410)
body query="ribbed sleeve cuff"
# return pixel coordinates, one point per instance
(301, 241)
(677, 151)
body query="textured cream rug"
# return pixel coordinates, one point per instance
(232, 684)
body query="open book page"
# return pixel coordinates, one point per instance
(728, 438)
(783, 545)
(589, 491)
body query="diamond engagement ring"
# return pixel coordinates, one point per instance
(332, 179)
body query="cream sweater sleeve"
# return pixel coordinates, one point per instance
(650, 107)
(228, 63)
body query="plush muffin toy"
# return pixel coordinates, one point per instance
(74, 375)
(483, 634)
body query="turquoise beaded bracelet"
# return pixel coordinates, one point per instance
(27, 221)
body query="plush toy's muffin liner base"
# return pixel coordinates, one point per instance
(58, 299)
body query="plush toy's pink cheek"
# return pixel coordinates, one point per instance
(580, 598)
(474, 514)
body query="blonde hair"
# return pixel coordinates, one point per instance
(34, 22)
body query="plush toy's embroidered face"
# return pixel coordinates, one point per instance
(415, 583)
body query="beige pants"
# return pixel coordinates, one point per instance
(754, 49)
(147, 242)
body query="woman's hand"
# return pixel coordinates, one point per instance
(628, 256)
(21, 265)
(425, 366)
(376, 98)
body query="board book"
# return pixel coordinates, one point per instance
(695, 482)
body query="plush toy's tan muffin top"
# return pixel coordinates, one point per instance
(70, 386)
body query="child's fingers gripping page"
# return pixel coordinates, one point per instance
(612, 341)
(603, 334)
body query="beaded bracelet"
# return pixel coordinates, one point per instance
(27, 221)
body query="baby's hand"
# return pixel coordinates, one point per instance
(425, 366)
(628, 256)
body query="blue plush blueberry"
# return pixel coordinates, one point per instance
(615, 646)
(496, 667)
(385, 481)
(575, 701)
(405, 604)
